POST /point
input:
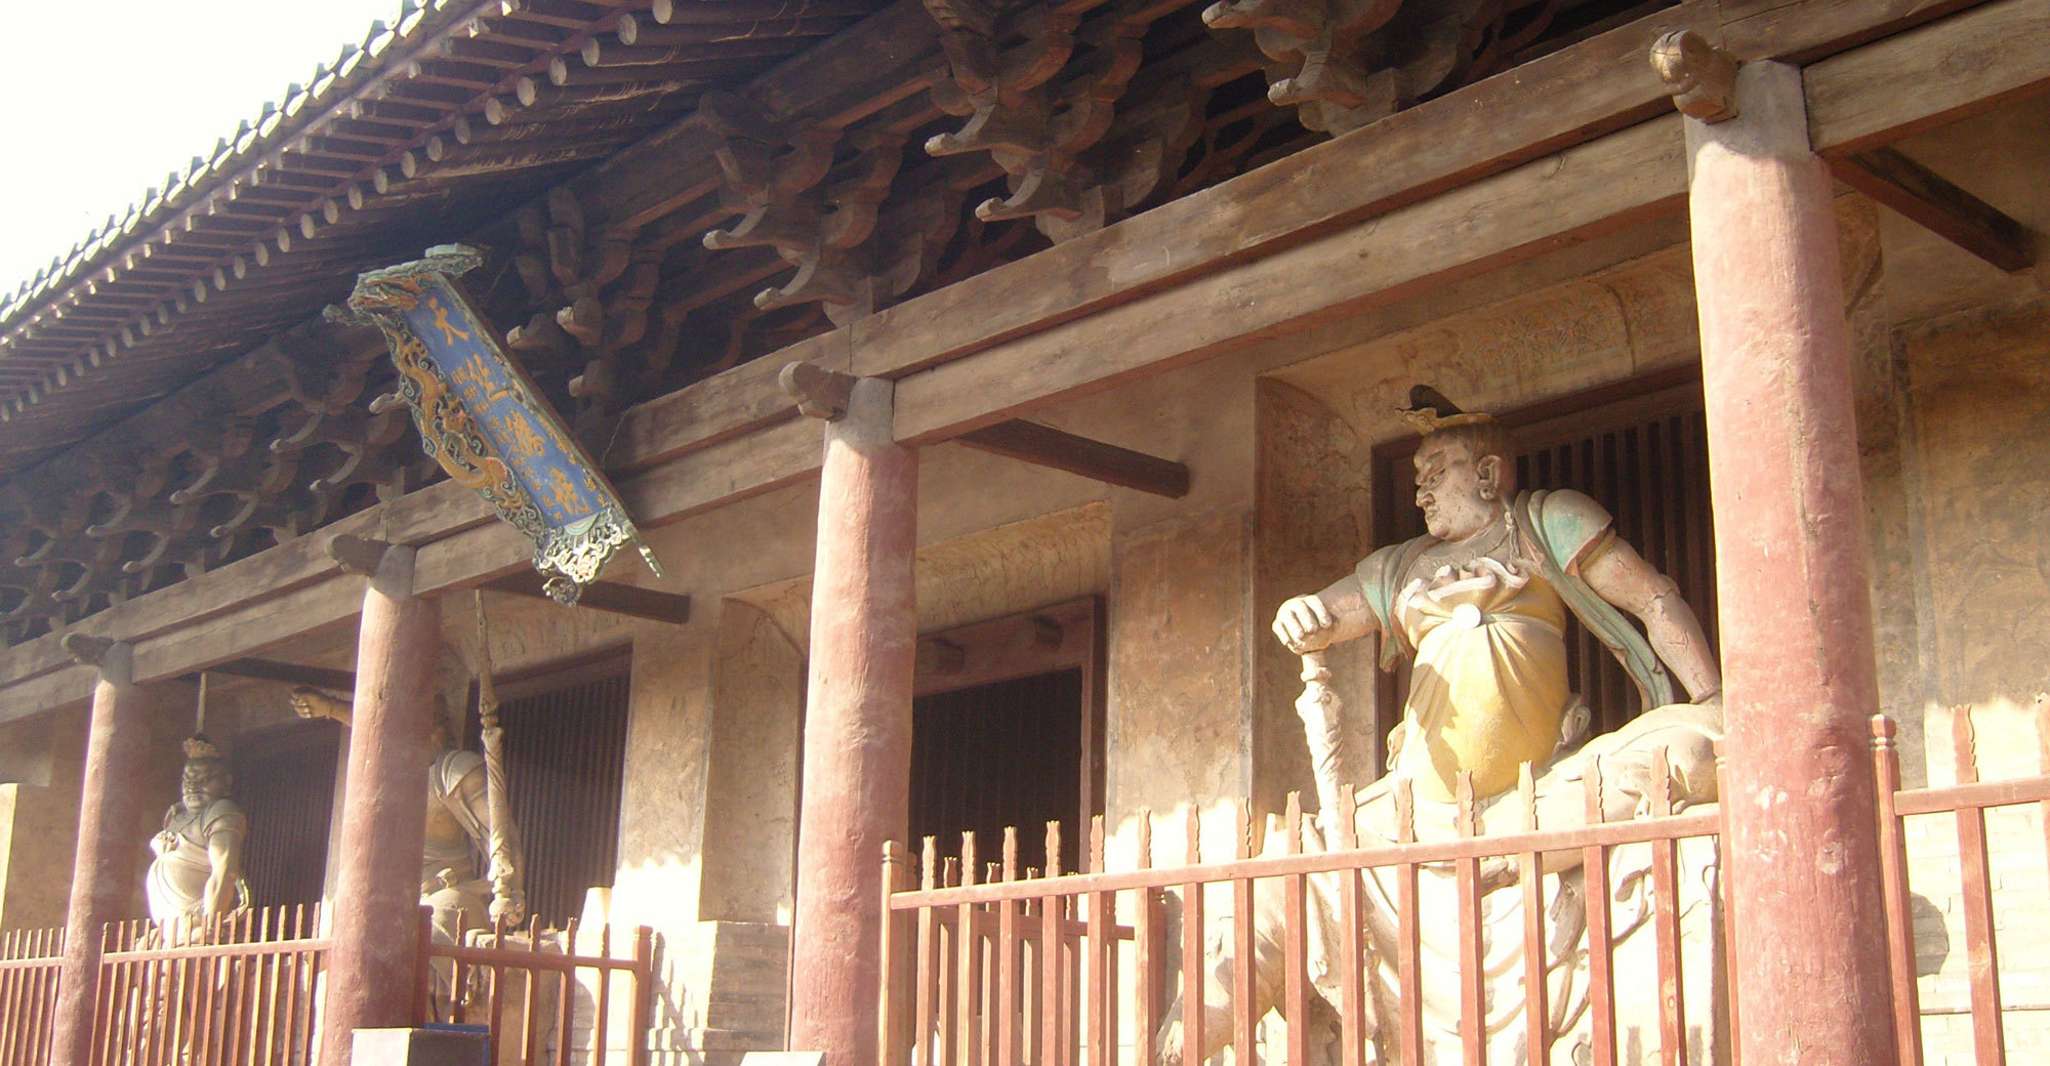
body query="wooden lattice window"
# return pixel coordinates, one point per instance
(1641, 450)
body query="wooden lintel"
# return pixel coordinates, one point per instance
(670, 607)
(290, 673)
(1928, 199)
(1034, 443)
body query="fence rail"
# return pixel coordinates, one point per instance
(29, 960)
(1030, 981)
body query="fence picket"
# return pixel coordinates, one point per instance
(1530, 868)
(1665, 887)
(1893, 870)
(1977, 880)
(1103, 1030)
(1146, 955)
(1192, 943)
(1600, 959)
(1243, 1018)
(1295, 986)
(1473, 977)
(1352, 1006)
(1409, 967)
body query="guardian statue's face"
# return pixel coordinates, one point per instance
(204, 781)
(1457, 494)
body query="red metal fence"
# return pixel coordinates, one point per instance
(246, 991)
(491, 976)
(1033, 981)
(28, 994)
(235, 991)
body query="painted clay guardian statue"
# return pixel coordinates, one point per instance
(1478, 605)
(197, 872)
(460, 829)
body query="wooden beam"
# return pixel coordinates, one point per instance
(1931, 76)
(1580, 193)
(1031, 442)
(611, 596)
(290, 673)
(690, 454)
(1927, 198)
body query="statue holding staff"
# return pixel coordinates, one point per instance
(468, 818)
(1478, 605)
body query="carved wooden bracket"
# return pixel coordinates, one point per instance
(820, 393)
(357, 555)
(1039, 108)
(1701, 77)
(1344, 63)
(87, 650)
(820, 217)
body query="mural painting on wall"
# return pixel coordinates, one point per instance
(1478, 605)
(197, 873)
(482, 418)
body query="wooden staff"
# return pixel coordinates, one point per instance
(1322, 714)
(504, 865)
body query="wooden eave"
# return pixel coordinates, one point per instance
(1578, 143)
(338, 178)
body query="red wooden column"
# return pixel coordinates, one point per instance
(103, 872)
(1799, 679)
(857, 728)
(370, 977)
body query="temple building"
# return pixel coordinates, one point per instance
(1055, 533)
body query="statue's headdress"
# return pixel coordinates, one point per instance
(1429, 411)
(200, 746)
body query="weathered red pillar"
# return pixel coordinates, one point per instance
(109, 813)
(371, 980)
(857, 728)
(1798, 670)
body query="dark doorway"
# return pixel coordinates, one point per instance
(285, 779)
(565, 762)
(1008, 732)
(1639, 449)
(1005, 754)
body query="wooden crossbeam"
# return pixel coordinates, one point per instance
(1031, 442)
(290, 673)
(1928, 199)
(670, 607)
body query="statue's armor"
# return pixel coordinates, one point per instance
(176, 886)
(1488, 687)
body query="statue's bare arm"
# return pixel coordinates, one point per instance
(224, 852)
(313, 703)
(1333, 616)
(1621, 576)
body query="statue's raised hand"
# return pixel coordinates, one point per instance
(1305, 624)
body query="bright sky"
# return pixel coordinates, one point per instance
(99, 101)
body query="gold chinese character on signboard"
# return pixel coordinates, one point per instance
(449, 332)
(562, 492)
(526, 440)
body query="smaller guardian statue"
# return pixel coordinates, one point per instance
(197, 872)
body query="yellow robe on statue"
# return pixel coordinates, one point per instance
(1487, 688)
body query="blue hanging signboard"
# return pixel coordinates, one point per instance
(482, 418)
